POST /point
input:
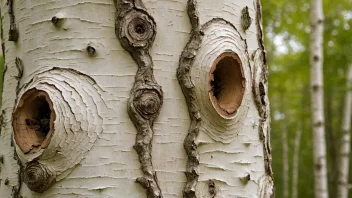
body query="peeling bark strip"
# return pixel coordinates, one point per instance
(184, 79)
(13, 32)
(136, 29)
(260, 94)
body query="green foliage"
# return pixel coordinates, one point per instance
(286, 27)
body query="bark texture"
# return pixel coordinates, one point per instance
(345, 145)
(136, 31)
(317, 101)
(93, 60)
(184, 78)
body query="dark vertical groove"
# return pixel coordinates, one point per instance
(135, 28)
(184, 79)
(13, 32)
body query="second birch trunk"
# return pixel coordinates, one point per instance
(344, 153)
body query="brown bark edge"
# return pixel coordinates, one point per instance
(135, 28)
(260, 89)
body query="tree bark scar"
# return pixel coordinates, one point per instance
(13, 32)
(135, 28)
(184, 79)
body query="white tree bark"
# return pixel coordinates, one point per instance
(344, 154)
(317, 101)
(139, 104)
(295, 165)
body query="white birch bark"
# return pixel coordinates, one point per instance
(295, 163)
(317, 101)
(344, 154)
(70, 51)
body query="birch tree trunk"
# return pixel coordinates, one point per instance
(344, 154)
(131, 98)
(317, 103)
(295, 164)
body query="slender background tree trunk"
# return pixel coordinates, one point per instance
(285, 164)
(345, 145)
(295, 162)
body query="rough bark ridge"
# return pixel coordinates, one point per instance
(184, 78)
(136, 29)
(260, 93)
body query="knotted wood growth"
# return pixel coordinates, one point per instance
(136, 29)
(184, 79)
(38, 177)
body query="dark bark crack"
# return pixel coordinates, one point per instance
(13, 32)
(135, 28)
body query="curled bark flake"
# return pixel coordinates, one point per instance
(13, 32)
(184, 79)
(38, 177)
(135, 28)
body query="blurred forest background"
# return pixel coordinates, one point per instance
(287, 28)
